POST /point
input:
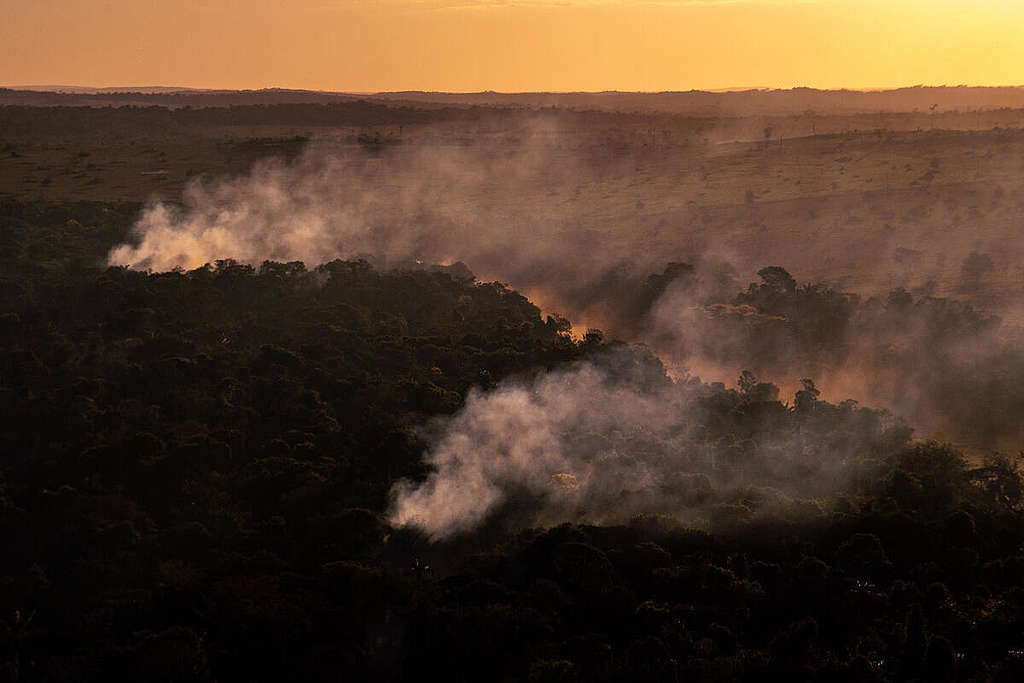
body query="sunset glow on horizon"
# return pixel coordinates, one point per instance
(532, 45)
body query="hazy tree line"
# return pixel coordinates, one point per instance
(940, 362)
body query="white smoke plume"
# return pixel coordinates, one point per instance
(540, 438)
(609, 439)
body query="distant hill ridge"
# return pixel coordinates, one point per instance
(697, 102)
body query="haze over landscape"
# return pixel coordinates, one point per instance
(540, 340)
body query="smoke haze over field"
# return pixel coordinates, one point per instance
(578, 215)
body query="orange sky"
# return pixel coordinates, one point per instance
(512, 45)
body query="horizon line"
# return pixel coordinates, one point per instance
(171, 89)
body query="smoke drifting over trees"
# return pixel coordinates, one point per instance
(507, 208)
(614, 438)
